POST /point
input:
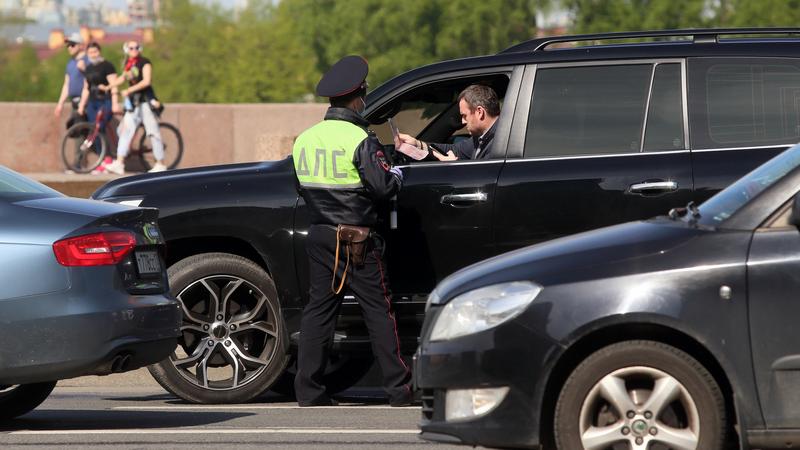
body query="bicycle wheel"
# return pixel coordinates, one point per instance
(173, 146)
(80, 155)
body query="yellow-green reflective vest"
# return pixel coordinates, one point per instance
(323, 155)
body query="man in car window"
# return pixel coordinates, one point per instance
(479, 108)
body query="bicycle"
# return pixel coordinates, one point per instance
(84, 147)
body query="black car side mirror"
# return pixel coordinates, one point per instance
(794, 217)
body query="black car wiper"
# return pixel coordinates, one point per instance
(676, 213)
(691, 208)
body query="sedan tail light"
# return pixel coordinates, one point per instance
(98, 249)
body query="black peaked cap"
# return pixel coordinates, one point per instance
(347, 75)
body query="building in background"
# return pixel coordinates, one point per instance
(143, 11)
(50, 20)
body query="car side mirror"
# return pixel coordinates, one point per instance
(794, 217)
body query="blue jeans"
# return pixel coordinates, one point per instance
(93, 106)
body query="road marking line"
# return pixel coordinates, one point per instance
(216, 431)
(251, 407)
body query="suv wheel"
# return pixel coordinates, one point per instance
(23, 398)
(640, 394)
(233, 344)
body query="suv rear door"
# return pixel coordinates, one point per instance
(592, 145)
(743, 111)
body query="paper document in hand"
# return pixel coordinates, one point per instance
(409, 150)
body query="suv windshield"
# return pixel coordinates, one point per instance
(14, 186)
(720, 207)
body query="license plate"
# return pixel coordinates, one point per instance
(148, 262)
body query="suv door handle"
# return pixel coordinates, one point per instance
(654, 187)
(463, 199)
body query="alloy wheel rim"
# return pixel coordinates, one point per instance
(639, 408)
(229, 333)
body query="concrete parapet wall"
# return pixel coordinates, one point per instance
(30, 136)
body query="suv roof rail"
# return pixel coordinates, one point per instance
(698, 35)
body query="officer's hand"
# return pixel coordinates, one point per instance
(407, 139)
(397, 172)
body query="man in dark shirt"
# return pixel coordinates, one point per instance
(99, 77)
(479, 108)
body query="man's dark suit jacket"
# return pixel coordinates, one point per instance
(474, 148)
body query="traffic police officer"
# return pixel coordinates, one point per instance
(342, 174)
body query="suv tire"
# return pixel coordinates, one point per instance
(687, 405)
(234, 343)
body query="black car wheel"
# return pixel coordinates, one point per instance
(23, 398)
(640, 395)
(233, 345)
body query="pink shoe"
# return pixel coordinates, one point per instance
(101, 169)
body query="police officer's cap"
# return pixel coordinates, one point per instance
(345, 77)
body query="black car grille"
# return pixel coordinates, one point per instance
(427, 404)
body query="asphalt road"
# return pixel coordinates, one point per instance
(134, 413)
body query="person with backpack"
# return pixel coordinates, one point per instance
(141, 106)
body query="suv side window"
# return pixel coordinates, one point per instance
(664, 129)
(738, 102)
(430, 111)
(587, 110)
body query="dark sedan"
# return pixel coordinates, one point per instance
(83, 291)
(678, 332)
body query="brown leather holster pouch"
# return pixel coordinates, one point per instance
(354, 240)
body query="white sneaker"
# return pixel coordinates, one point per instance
(116, 167)
(158, 167)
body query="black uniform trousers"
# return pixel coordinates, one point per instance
(369, 285)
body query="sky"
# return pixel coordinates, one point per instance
(115, 4)
(121, 4)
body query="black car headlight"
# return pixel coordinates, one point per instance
(484, 308)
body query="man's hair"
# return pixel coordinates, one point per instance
(94, 45)
(479, 95)
(344, 100)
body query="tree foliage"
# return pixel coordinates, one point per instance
(398, 36)
(597, 16)
(276, 51)
(761, 13)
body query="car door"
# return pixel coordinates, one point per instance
(743, 111)
(772, 278)
(600, 144)
(444, 211)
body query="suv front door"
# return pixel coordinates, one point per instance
(444, 211)
(603, 144)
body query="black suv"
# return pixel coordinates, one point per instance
(588, 136)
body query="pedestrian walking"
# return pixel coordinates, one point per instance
(73, 76)
(141, 106)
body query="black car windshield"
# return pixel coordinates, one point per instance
(14, 186)
(720, 207)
